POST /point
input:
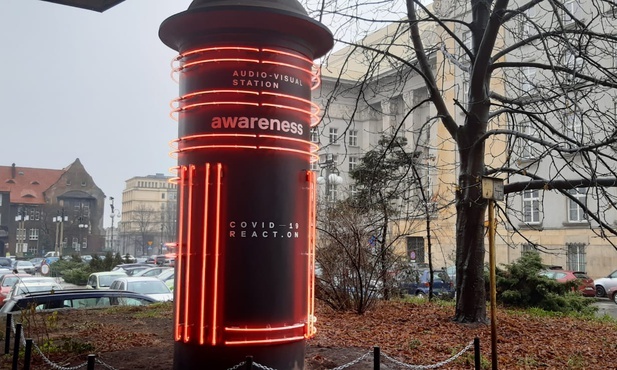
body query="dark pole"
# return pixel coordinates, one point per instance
(7, 333)
(112, 215)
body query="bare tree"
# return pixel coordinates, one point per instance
(523, 90)
(146, 220)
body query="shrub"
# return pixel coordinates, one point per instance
(520, 285)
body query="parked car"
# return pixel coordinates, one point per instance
(147, 285)
(23, 267)
(157, 259)
(604, 284)
(168, 277)
(102, 280)
(152, 271)
(131, 268)
(7, 282)
(417, 282)
(586, 286)
(36, 261)
(6, 262)
(75, 298)
(25, 287)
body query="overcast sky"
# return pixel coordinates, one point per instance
(95, 86)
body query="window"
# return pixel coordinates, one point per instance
(353, 163)
(332, 191)
(315, 134)
(576, 256)
(21, 234)
(0, 200)
(415, 249)
(315, 166)
(333, 135)
(83, 183)
(531, 206)
(527, 27)
(576, 213)
(75, 242)
(569, 7)
(353, 190)
(527, 148)
(34, 234)
(84, 243)
(162, 195)
(528, 247)
(528, 75)
(353, 137)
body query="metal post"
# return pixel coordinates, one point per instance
(16, 345)
(7, 335)
(90, 365)
(492, 263)
(28, 354)
(112, 215)
(249, 362)
(376, 358)
(476, 353)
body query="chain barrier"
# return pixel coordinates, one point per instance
(237, 366)
(47, 360)
(258, 365)
(433, 366)
(353, 362)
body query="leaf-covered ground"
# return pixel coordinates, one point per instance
(414, 333)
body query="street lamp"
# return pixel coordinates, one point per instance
(20, 248)
(83, 225)
(332, 178)
(112, 216)
(59, 220)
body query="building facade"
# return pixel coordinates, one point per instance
(44, 210)
(391, 99)
(148, 219)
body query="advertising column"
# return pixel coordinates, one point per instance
(246, 223)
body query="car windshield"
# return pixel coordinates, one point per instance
(9, 280)
(106, 280)
(148, 287)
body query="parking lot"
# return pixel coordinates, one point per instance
(606, 307)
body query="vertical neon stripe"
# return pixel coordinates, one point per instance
(312, 219)
(189, 240)
(202, 316)
(180, 287)
(217, 236)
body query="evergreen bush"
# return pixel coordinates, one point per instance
(520, 285)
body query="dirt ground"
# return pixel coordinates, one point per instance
(418, 333)
(130, 339)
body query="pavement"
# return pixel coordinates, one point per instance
(606, 307)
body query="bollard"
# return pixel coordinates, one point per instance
(16, 346)
(476, 352)
(91, 359)
(28, 353)
(7, 336)
(376, 358)
(249, 362)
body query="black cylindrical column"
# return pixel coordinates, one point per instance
(246, 195)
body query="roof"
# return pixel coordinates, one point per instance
(27, 185)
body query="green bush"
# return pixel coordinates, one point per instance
(75, 271)
(521, 285)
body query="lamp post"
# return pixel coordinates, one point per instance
(112, 216)
(331, 180)
(161, 243)
(21, 218)
(60, 219)
(83, 225)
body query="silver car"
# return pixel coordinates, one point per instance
(605, 283)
